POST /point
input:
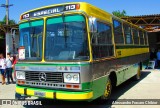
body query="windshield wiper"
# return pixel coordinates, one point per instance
(29, 46)
(65, 31)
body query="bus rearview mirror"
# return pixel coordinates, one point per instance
(93, 24)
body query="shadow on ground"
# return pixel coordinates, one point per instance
(120, 90)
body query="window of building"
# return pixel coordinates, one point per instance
(141, 37)
(118, 34)
(135, 36)
(127, 34)
(102, 44)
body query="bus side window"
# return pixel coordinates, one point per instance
(102, 46)
(118, 34)
(127, 34)
(141, 35)
(135, 36)
(146, 38)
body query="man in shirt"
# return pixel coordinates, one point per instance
(2, 68)
(9, 60)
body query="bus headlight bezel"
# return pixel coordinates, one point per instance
(71, 78)
(20, 75)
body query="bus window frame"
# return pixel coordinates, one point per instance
(140, 30)
(113, 43)
(87, 34)
(135, 28)
(131, 36)
(146, 38)
(120, 21)
(32, 20)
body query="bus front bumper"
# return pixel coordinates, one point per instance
(54, 94)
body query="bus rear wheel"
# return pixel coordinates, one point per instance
(108, 90)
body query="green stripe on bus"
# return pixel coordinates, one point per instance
(27, 64)
(74, 18)
(48, 90)
(129, 46)
(54, 20)
(34, 23)
(67, 19)
(86, 85)
(24, 25)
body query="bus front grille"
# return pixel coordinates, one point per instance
(51, 77)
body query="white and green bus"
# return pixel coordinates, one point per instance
(76, 51)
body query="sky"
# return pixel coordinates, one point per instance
(132, 7)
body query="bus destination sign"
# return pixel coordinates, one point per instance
(49, 11)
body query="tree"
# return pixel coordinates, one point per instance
(10, 22)
(119, 13)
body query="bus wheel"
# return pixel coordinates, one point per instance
(108, 90)
(19, 97)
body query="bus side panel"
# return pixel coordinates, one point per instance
(100, 71)
(98, 86)
(131, 71)
(86, 76)
(125, 68)
(132, 68)
(120, 76)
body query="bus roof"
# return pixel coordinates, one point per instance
(83, 6)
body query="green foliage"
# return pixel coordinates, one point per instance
(11, 22)
(1, 37)
(119, 13)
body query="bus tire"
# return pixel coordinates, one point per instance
(19, 97)
(108, 90)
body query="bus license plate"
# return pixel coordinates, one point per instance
(38, 93)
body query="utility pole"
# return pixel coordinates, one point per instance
(7, 5)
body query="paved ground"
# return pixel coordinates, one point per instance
(147, 88)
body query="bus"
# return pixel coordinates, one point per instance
(76, 51)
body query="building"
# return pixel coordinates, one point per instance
(9, 39)
(152, 24)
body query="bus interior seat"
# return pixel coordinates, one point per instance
(65, 55)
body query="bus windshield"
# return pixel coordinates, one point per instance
(66, 38)
(31, 39)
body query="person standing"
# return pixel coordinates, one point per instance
(9, 60)
(2, 68)
(153, 55)
(13, 65)
(158, 58)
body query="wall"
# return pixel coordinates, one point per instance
(10, 48)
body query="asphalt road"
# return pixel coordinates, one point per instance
(132, 92)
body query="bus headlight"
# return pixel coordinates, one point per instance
(68, 77)
(20, 75)
(71, 77)
(75, 77)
